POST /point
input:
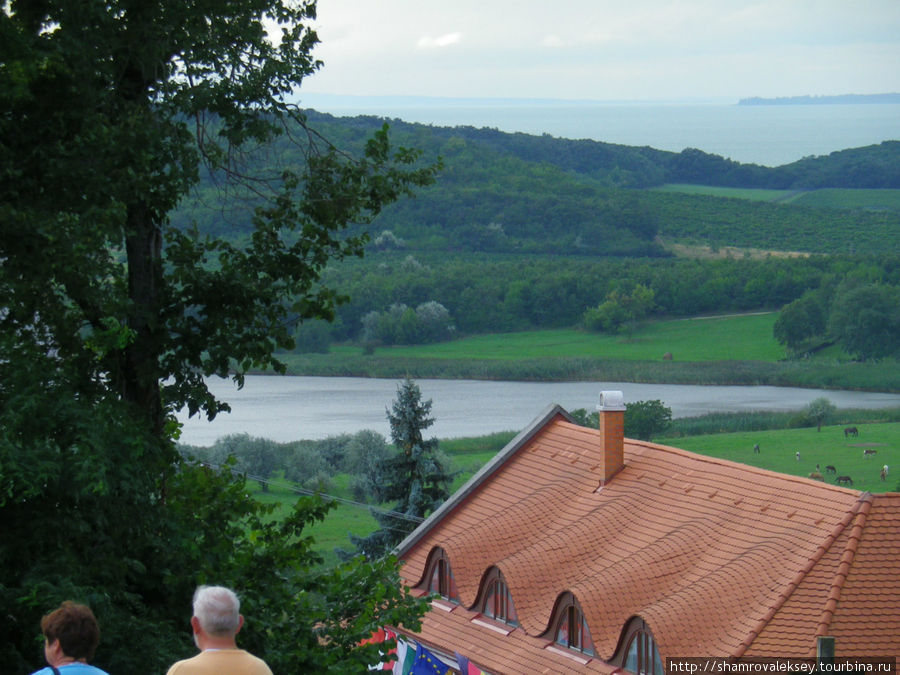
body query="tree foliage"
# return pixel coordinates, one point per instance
(645, 419)
(414, 480)
(621, 310)
(801, 322)
(112, 317)
(819, 411)
(865, 319)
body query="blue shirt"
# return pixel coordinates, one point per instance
(72, 669)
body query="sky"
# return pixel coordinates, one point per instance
(607, 50)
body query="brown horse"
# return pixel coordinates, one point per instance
(851, 431)
(843, 480)
(869, 453)
(830, 469)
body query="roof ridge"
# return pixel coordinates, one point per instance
(865, 499)
(535, 428)
(863, 506)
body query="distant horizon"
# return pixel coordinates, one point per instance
(414, 101)
(770, 135)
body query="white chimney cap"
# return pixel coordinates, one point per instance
(611, 400)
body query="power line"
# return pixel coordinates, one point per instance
(311, 493)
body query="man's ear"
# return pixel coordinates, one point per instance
(195, 624)
(240, 623)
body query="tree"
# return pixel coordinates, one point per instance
(865, 319)
(415, 478)
(257, 458)
(800, 322)
(620, 310)
(154, 94)
(366, 453)
(645, 419)
(112, 317)
(818, 411)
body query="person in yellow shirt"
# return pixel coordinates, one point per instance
(216, 623)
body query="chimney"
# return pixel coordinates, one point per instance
(611, 411)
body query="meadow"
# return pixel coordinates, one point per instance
(736, 349)
(744, 337)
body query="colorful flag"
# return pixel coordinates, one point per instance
(467, 668)
(427, 663)
(405, 658)
(380, 636)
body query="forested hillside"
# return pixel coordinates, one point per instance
(517, 193)
(523, 232)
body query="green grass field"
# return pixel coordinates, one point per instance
(778, 450)
(753, 194)
(830, 198)
(838, 198)
(741, 337)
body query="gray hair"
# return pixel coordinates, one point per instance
(218, 610)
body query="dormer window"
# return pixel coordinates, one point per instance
(440, 577)
(498, 603)
(572, 630)
(642, 656)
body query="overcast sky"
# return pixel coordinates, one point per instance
(607, 49)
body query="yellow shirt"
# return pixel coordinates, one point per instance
(220, 661)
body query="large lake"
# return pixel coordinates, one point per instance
(292, 408)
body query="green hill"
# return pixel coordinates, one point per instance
(524, 194)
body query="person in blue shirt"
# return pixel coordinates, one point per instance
(71, 635)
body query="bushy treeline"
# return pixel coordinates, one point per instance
(506, 293)
(311, 464)
(402, 325)
(723, 423)
(861, 315)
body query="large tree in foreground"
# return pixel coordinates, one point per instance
(110, 318)
(111, 110)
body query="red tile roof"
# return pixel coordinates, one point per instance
(718, 558)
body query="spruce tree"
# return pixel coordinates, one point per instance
(414, 479)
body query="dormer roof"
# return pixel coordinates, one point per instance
(718, 558)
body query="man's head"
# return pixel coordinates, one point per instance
(217, 611)
(73, 628)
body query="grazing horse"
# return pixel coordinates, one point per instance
(756, 448)
(851, 431)
(830, 469)
(843, 480)
(869, 453)
(884, 472)
(815, 475)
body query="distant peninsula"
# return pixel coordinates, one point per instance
(820, 100)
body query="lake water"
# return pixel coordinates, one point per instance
(770, 135)
(291, 408)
